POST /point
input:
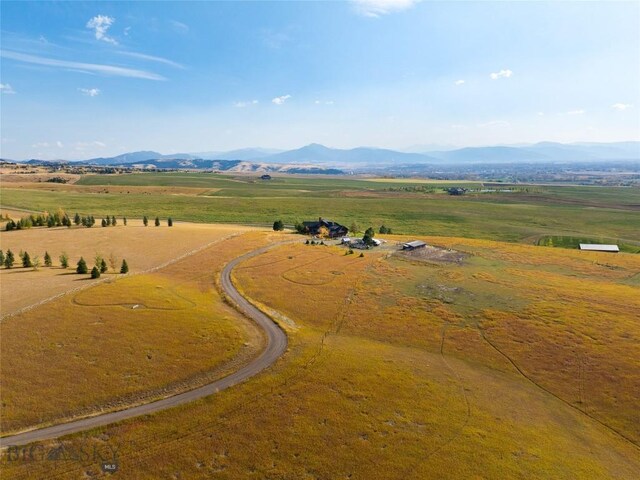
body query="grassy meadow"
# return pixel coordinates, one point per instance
(397, 365)
(522, 215)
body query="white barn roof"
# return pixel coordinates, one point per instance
(595, 247)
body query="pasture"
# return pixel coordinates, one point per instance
(396, 365)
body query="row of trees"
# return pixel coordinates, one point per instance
(145, 221)
(61, 219)
(100, 264)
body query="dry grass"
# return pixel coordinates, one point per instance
(143, 248)
(393, 372)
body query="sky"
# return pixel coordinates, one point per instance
(83, 80)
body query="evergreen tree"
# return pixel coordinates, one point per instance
(95, 273)
(104, 222)
(368, 236)
(124, 268)
(113, 220)
(76, 219)
(47, 259)
(145, 220)
(103, 266)
(64, 260)
(1, 257)
(50, 221)
(124, 220)
(84, 221)
(82, 266)
(8, 259)
(278, 225)
(157, 221)
(26, 260)
(170, 222)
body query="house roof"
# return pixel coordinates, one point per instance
(596, 247)
(415, 244)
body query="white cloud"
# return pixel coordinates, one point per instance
(179, 27)
(126, 31)
(576, 112)
(377, 8)
(459, 82)
(541, 114)
(86, 67)
(40, 145)
(152, 58)
(281, 100)
(90, 92)
(505, 73)
(494, 123)
(244, 104)
(327, 102)
(100, 25)
(6, 88)
(621, 106)
(59, 144)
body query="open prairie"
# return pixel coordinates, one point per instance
(399, 363)
(130, 340)
(144, 248)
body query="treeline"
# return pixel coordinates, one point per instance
(101, 265)
(61, 219)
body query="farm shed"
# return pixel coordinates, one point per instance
(595, 247)
(413, 245)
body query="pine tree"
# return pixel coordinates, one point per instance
(64, 260)
(47, 259)
(157, 221)
(104, 222)
(124, 220)
(8, 259)
(170, 222)
(278, 225)
(103, 266)
(50, 221)
(1, 257)
(145, 220)
(95, 273)
(26, 260)
(124, 268)
(76, 219)
(82, 266)
(113, 220)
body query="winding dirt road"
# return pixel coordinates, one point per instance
(276, 345)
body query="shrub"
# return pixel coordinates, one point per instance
(113, 220)
(124, 220)
(82, 267)
(64, 260)
(278, 225)
(95, 273)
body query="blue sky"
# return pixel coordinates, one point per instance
(97, 79)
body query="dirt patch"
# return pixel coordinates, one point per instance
(434, 254)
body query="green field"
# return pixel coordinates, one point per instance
(524, 215)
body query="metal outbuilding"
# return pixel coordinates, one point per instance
(595, 247)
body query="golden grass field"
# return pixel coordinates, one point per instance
(400, 367)
(144, 248)
(131, 340)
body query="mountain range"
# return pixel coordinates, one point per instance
(316, 158)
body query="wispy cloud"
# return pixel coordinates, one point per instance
(86, 67)
(281, 100)
(179, 27)
(6, 88)
(244, 104)
(459, 82)
(326, 102)
(90, 92)
(57, 143)
(621, 106)
(274, 40)
(377, 8)
(576, 112)
(506, 73)
(100, 24)
(494, 123)
(152, 58)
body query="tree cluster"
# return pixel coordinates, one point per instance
(100, 264)
(57, 219)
